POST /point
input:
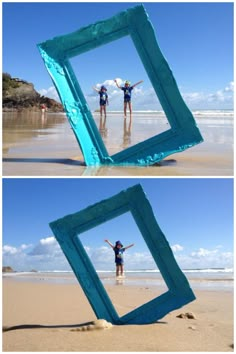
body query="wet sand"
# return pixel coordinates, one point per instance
(40, 316)
(44, 145)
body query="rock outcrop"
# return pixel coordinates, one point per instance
(19, 95)
(7, 269)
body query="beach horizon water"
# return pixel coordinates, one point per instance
(217, 279)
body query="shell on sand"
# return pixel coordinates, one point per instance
(189, 315)
(97, 324)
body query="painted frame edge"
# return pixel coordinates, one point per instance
(67, 229)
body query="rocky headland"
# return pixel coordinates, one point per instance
(7, 269)
(20, 95)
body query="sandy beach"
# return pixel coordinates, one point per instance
(44, 145)
(57, 309)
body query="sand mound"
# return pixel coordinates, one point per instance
(97, 324)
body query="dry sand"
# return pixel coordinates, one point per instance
(59, 307)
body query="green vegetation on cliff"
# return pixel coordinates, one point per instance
(18, 94)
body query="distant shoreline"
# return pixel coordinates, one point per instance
(187, 270)
(199, 112)
(221, 279)
(31, 109)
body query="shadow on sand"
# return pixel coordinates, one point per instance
(31, 326)
(74, 162)
(45, 160)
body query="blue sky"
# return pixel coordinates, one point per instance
(196, 216)
(195, 38)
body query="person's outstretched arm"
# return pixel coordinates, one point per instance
(109, 243)
(137, 83)
(117, 84)
(96, 89)
(129, 246)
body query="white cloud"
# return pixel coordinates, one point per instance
(177, 248)
(221, 99)
(201, 252)
(45, 246)
(25, 247)
(48, 241)
(50, 92)
(102, 257)
(146, 99)
(230, 87)
(139, 260)
(10, 250)
(112, 83)
(206, 258)
(47, 255)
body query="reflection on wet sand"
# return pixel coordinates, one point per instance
(19, 127)
(102, 127)
(36, 144)
(127, 134)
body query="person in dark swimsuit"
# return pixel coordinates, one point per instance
(119, 249)
(103, 100)
(127, 95)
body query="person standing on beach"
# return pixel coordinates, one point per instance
(103, 100)
(43, 108)
(127, 95)
(119, 259)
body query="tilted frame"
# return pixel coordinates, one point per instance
(183, 132)
(134, 200)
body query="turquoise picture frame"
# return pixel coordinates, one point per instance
(134, 22)
(68, 229)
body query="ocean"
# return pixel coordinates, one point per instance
(213, 279)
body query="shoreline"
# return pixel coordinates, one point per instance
(97, 111)
(214, 284)
(59, 307)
